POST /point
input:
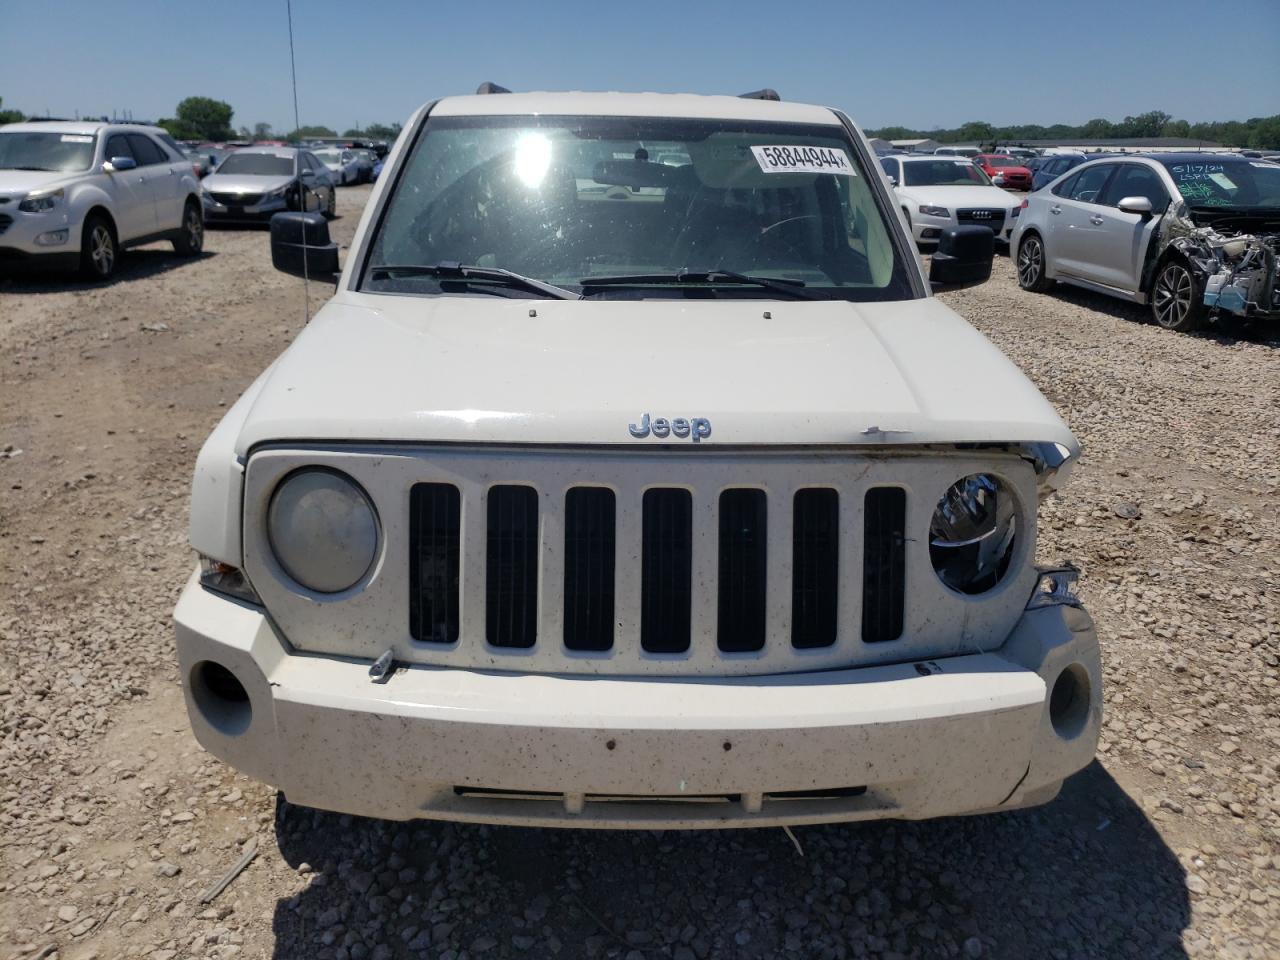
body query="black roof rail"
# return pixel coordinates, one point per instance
(768, 93)
(490, 87)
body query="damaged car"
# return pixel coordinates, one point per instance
(1192, 235)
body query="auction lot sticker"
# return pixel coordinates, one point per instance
(802, 159)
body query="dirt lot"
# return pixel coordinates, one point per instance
(113, 821)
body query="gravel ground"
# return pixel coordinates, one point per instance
(113, 821)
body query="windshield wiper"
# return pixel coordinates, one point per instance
(37, 169)
(786, 285)
(452, 270)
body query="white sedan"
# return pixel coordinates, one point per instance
(937, 193)
(343, 165)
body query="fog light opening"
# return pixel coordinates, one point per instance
(1069, 702)
(222, 699)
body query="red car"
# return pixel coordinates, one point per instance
(999, 164)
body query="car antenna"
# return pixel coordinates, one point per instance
(297, 173)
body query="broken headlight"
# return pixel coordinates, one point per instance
(972, 533)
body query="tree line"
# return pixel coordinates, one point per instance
(203, 118)
(1258, 133)
(207, 119)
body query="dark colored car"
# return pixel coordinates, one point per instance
(1051, 167)
(1011, 171)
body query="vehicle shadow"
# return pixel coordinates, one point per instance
(1085, 876)
(136, 264)
(1227, 331)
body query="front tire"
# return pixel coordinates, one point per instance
(190, 242)
(1177, 298)
(1031, 264)
(99, 250)
(331, 208)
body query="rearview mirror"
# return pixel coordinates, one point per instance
(633, 173)
(119, 164)
(300, 246)
(1138, 205)
(963, 257)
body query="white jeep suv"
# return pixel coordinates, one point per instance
(677, 503)
(74, 194)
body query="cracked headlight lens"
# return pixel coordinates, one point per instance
(322, 529)
(973, 532)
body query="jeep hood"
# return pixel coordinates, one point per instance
(491, 370)
(484, 370)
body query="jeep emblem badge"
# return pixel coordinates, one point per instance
(696, 429)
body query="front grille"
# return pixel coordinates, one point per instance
(883, 563)
(5, 221)
(511, 584)
(512, 538)
(237, 199)
(666, 569)
(982, 218)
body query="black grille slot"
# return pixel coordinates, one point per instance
(434, 534)
(884, 557)
(743, 552)
(815, 567)
(590, 538)
(666, 569)
(511, 584)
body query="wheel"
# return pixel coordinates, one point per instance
(98, 248)
(191, 240)
(1031, 274)
(331, 208)
(1177, 298)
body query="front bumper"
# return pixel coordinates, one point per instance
(45, 236)
(215, 211)
(957, 735)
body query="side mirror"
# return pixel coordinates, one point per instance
(893, 181)
(300, 246)
(1139, 205)
(963, 257)
(119, 165)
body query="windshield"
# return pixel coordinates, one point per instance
(944, 173)
(1002, 162)
(328, 156)
(40, 150)
(1227, 183)
(257, 164)
(568, 199)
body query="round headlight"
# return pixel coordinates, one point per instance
(971, 536)
(323, 530)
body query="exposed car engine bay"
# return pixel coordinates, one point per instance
(1236, 258)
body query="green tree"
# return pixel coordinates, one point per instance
(1096, 129)
(10, 116)
(207, 118)
(1265, 134)
(976, 131)
(1176, 128)
(310, 133)
(262, 131)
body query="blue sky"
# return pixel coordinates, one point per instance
(922, 63)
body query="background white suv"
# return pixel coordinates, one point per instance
(940, 192)
(73, 194)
